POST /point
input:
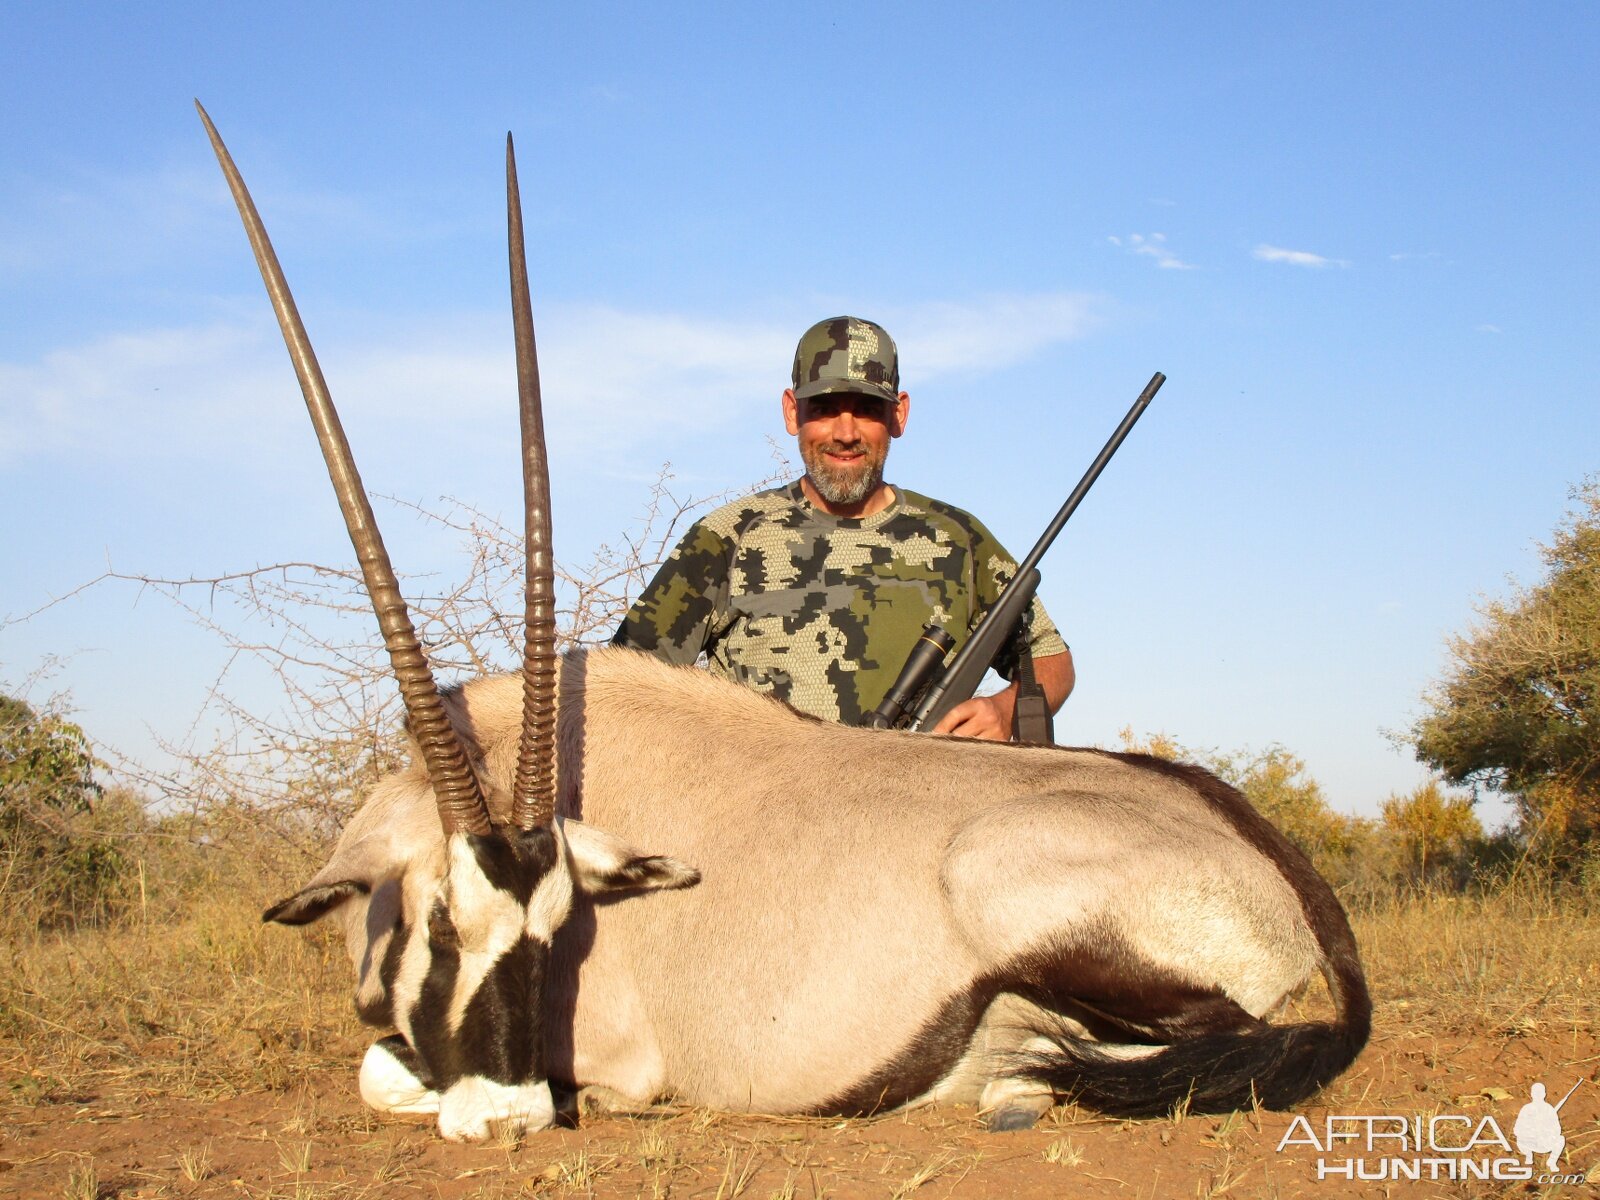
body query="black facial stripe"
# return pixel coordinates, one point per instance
(502, 1032)
(430, 1033)
(502, 1027)
(515, 860)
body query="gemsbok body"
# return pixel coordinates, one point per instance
(642, 882)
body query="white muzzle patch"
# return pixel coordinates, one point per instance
(388, 1085)
(475, 1109)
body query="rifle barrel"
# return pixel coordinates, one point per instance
(934, 703)
(1568, 1096)
(1093, 473)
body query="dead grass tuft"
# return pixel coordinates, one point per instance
(195, 1164)
(1063, 1152)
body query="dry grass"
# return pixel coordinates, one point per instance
(209, 1006)
(200, 1053)
(1063, 1152)
(1512, 961)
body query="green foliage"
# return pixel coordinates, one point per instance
(1437, 833)
(1519, 706)
(55, 865)
(46, 766)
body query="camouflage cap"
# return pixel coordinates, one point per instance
(846, 354)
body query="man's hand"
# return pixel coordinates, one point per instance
(990, 716)
(981, 717)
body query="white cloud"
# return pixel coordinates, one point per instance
(98, 221)
(148, 394)
(1152, 246)
(1487, 328)
(611, 378)
(949, 338)
(1295, 258)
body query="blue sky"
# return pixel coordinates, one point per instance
(1358, 241)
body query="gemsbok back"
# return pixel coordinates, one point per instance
(872, 918)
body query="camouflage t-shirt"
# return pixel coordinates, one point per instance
(821, 611)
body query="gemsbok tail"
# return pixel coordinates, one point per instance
(1275, 1066)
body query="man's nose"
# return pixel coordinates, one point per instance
(844, 426)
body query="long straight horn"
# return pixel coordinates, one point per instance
(535, 795)
(461, 805)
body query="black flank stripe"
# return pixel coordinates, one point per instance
(927, 1058)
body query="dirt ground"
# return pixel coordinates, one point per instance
(205, 1055)
(315, 1139)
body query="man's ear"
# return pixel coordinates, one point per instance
(898, 415)
(791, 412)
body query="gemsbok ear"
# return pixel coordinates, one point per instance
(353, 871)
(603, 864)
(318, 900)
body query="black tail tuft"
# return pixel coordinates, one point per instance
(1274, 1066)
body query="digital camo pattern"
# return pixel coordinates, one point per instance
(821, 611)
(846, 354)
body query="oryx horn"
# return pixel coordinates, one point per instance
(461, 805)
(534, 800)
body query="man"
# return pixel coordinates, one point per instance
(816, 592)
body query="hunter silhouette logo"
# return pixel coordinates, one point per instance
(1455, 1146)
(1538, 1127)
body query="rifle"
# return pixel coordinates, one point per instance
(925, 689)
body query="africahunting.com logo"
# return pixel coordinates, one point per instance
(1390, 1147)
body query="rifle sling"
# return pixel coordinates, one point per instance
(1031, 721)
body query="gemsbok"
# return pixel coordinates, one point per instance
(840, 920)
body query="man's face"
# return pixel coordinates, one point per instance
(844, 440)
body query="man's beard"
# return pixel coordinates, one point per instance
(843, 485)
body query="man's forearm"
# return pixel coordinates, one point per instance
(1056, 676)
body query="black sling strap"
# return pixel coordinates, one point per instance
(1031, 722)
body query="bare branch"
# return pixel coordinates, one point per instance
(333, 730)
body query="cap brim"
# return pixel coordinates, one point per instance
(845, 387)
